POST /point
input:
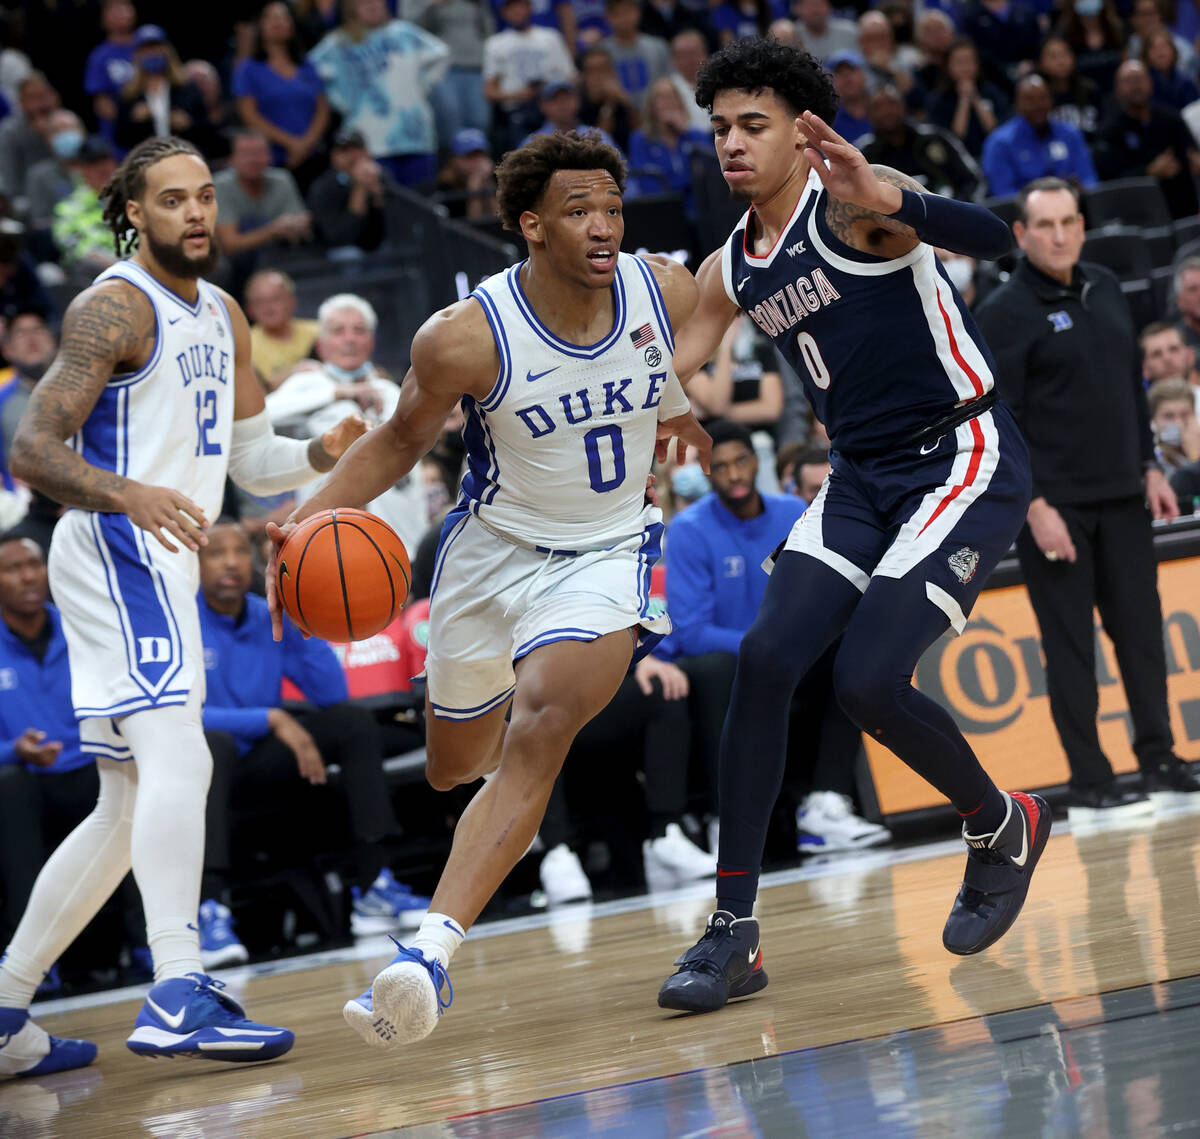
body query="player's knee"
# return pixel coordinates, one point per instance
(541, 737)
(764, 658)
(865, 687)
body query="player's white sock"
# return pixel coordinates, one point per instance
(174, 771)
(76, 881)
(439, 936)
(19, 979)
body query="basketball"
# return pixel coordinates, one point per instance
(343, 575)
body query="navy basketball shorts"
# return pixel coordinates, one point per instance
(944, 512)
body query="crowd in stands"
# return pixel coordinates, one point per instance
(314, 115)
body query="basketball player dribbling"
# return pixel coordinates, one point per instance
(929, 484)
(149, 403)
(541, 588)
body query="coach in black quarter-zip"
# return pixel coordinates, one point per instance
(1067, 363)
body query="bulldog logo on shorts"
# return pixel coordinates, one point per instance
(964, 563)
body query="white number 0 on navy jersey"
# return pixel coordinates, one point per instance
(817, 367)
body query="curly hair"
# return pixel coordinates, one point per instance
(755, 65)
(129, 184)
(524, 173)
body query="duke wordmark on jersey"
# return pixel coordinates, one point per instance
(615, 396)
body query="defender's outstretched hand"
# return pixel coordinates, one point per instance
(848, 175)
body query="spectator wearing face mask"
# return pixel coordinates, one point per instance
(160, 99)
(1173, 419)
(50, 180)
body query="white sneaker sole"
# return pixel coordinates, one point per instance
(374, 1030)
(404, 994)
(1077, 816)
(845, 846)
(236, 954)
(405, 1008)
(364, 925)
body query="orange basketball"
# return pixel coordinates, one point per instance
(343, 575)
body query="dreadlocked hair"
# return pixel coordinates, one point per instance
(129, 183)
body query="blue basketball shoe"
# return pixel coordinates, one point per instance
(27, 1050)
(404, 1002)
(219, 945)
(190, 1016)
(386, 905)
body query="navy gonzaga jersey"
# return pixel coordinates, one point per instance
(884, 348)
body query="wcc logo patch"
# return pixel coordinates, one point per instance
(964, 563)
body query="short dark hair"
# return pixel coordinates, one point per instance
(1044, 184)
(799, 454)
(523, 174)
(726, 431)
(756, 64)
(1154, 328)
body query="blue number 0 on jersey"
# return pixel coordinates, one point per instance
(591, 445)
(206, 420)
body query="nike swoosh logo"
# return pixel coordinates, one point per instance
(731, 873)
(171, 1020)
(754, 955)
(741, 283)
(929, 448)
(1024, 844)
(531, 376)
(175, 321)
(283, 570)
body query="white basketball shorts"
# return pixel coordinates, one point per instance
(129, 616)
(493, 602)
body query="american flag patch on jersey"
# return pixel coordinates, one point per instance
(642, 336)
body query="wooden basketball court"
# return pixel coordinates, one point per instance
(564, 1004)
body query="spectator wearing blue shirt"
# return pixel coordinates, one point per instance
(47, 785)
(280, 751)
(560, 103)
(658, 159)
(1032, 145)
(735, 19)
(38, 733)
(110, 64)
(715, 583)
(849, 71)
(281, 95)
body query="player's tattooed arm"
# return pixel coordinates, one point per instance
(107, 329)
(872, 232)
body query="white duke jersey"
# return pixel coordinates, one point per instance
(559, 450)
(128, 605)
(170, 423)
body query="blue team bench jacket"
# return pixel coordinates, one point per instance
(37, 694)
(245, 670)
(715, 579)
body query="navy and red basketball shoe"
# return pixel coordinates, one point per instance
(996, 880)
(724, 964)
